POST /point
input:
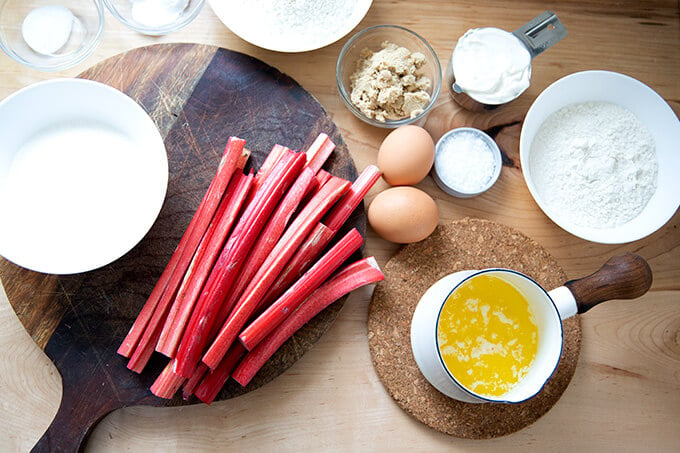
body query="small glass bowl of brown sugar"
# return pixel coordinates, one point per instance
(388, 76)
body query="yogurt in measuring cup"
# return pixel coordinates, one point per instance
(491, 65)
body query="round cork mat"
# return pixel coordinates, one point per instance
(460, 245)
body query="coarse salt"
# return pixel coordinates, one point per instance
(465, 162)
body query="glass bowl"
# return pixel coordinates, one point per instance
(371, 38)
(48, 37)
(155, 17)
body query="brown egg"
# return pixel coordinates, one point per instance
(403, 214)
(406, 155)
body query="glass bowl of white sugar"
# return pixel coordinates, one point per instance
(155, 17)
(49, 36)
(599, 155)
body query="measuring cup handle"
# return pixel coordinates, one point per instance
(541, 33)
(624, 276)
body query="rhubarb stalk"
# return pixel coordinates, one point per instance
(268, 164)
(181, 257)
(265, 243)
(322, 234)
(231, 259)
(318, 153)
(322, 176)
(213, 381)
(167, 383)
(190, 384)
(296, 294)
(277, 259)
(341, 212)
(355, 275)
(203, 262)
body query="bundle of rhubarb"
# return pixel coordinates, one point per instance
(252, 268)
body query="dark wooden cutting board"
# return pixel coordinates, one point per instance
(198, 96)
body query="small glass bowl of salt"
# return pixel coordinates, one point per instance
(467, 162)
(47, 36)
(155, 17)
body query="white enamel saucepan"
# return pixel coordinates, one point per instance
(622, 277)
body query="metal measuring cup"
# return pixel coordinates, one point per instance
(537, 35)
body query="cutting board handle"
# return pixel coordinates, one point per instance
(73, 422)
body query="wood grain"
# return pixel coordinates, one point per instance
(625, 394)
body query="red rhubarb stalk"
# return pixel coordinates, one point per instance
(265, 243)
(341, 212)
(321, 236)
(243, 159)
(270, 269)
(171, 277)
(268, 164)
(301, 289)
(202, 264)
(190, 385)
(213, 381)
(167, 383)
(309, 251)
(142, 355)
(363, 272)
(322, 176)
(231, 259)
(318, 153)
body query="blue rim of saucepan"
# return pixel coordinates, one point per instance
(441, 359)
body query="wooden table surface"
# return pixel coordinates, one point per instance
(625, 394)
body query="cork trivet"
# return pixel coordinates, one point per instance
(460, 245)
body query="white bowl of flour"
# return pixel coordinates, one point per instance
(599, 154)
(291, 26)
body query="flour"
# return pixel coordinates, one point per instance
(293, 23)
(594, 164)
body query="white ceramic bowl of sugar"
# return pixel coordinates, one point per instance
(650, 109)
(83, 175)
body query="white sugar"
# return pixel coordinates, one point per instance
(47, 29)
(157, 13)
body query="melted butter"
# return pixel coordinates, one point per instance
(487, 335)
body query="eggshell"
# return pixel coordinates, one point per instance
(403, 214)
(406, 155)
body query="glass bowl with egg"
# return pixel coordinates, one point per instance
(155, 17)
(388, 76)
(47, 36)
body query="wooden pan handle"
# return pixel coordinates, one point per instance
(624, 276)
